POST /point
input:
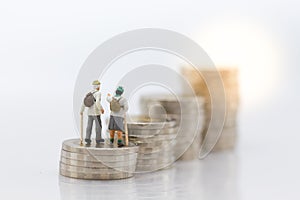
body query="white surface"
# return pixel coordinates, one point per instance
(43, 44)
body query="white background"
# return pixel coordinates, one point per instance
(44, 43)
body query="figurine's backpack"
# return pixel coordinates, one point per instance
(89, 99)
(115, 105)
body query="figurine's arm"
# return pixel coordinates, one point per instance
(109, 98)
(125, 104)
(98, 103)
(82, 109)
(126, 107)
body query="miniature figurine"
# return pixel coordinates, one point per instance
(93, 102)
(118, 107)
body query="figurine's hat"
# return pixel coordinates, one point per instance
(96, 82)
(121, 89)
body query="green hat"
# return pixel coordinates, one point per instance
(119, 91)
(120, 88)
(96, 82)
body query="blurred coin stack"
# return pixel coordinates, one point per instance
(155, 138)
(189, 115)
(229, 76)
(97, 162)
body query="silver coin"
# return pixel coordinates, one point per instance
(227, 122)
(77, 169)
(73, 145)
(225, 144)
(226, 132)
(149, 123)
(95, 158)
(172, 105)
(190, 129)
(227, 139)
(155, 161)
(151, 168)
(204, 90)
(171, 99)
(147, 150)
(186, 118)
(224, 147)
(97, 164)
(230, 130)
(156, 145)
(153, 144)
(230, 113)
(156, 165)
(158, 109)
(152, 141)
(229, 88)
(138, 141)
(155, 155)
(179, 108)
(88, 176)
(173, 110)
(135, 138)
(188, 156)
(151, 132)
(157, 148)
(227, 85)
(227, 135)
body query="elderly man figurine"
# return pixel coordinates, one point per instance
(92, 101)
(118, 107)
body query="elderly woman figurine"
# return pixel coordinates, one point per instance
(118, 107)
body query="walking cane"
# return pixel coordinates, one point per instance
(126, 131)
(81, 129)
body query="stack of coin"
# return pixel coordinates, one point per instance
(155, 138)
(199, 79)
(101, 161)
(189, 115)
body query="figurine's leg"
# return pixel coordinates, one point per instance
(120, 138)
(98, 129)
(111, 128)
(120, 124)
(89, 129)
(112, 135)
